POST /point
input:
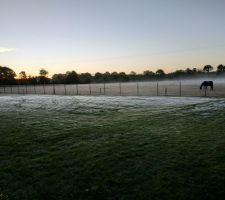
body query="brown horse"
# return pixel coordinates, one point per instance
(206, 84)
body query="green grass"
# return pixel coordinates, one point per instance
(127, 153)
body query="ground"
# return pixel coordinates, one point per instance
(64, 147)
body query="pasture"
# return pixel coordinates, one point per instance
(186, 88)
(88, 147)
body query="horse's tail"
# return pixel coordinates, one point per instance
(201, 86)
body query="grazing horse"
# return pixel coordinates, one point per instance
(205, 84)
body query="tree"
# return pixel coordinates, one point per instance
(22, 77)
(106, 77)
(32, 80)
(194, 70)
(114, 76)
(148, 74)
(43, 72)
(207, 68)
(85, 77)
(177, 74)
(43, 78)
(160, 72)
(59, 78)
(72, 77)
(188, 71)
(122, 76)
(98, 77)
(132, 75)
(7, 75)
(220, 68)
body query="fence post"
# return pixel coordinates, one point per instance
(180, 88)
(4, 88)
(65, 88)
(104, 88)
(120, 89)
(90, 88)
(44, 88)
(11, 89)
(137, 89)
(53, 85)
(77, 89)
(165, 91)
(26, 88)
(205, 91)
(34, 89)
(18, 89)
(157, 88)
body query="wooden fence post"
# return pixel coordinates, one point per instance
(104, 88)
(53, 88)
(180, 88)
(157, 89)
(44, 88)
(77, 89)
(26, 88)
(120, 87)
(34, 89)
(137, 89)
(65, 88)
(90, 88)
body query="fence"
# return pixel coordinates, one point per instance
(163, 88)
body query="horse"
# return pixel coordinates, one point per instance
(206, 84)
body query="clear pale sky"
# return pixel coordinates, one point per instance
(111, 35)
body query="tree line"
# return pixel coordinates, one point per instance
(8, 76)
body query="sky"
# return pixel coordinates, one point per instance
(111, 35)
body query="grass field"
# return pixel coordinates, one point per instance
(63, 147)
(185, 88)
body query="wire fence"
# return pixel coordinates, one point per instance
(163, 88)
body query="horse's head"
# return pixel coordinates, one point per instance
(201, 85)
